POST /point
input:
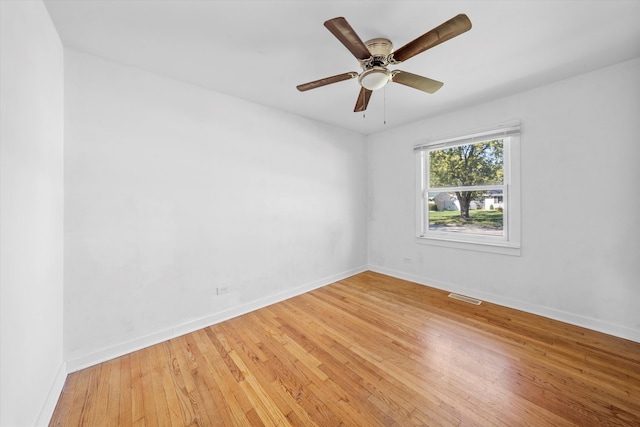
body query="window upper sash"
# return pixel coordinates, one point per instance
(495, 132)
(465, 188)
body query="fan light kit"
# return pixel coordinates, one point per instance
(375, 55)
(374, 78)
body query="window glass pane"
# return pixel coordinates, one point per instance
(479, 163)
(485, 212)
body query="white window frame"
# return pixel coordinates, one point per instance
(509, 243)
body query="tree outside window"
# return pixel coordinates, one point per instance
(466, 166)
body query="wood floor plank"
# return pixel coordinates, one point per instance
(88, 412)
(73, 386)
(188, 414)
(112, 413)
(125, 413)
(228, 380)
(165, 382)
(289, 381)
(369, 350)
(203, 382)
(264, 405)
(138, 414)
(193, 403)
(228, 390)
(152, 393)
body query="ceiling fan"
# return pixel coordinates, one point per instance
(376, 54)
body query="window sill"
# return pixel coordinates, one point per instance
(501, 248)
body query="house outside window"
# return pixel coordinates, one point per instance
(468, 190)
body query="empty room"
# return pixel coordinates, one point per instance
(319, 213)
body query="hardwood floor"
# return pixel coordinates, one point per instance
(370, 350)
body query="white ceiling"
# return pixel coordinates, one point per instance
(260, 50)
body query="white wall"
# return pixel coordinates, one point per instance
(172, 190)
(580, 255)
(31, 214)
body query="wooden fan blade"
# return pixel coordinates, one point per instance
(415, 81)
(340, 28)
(446, 31)
(326, 81)
(363, 100)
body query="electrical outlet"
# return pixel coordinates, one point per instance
(222, 290)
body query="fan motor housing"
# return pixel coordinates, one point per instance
(374, 70)
(379, 47)
(380, 50)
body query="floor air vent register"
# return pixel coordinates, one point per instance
(465, 299)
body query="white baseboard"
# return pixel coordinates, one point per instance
(84, 361)
(52, 397)
(562, 316)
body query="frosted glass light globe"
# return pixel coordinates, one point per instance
(374, 78)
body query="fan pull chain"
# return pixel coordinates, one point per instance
(384, 108)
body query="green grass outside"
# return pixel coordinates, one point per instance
(480, 218)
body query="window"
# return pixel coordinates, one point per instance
(469, 190)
